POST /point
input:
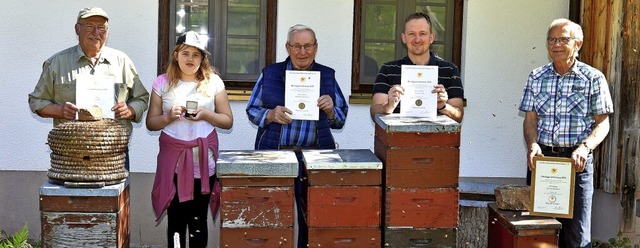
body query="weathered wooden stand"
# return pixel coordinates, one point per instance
(85, 217)
(257, 199)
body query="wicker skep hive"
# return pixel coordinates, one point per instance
(88, 153)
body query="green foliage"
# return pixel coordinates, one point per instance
(19, 239)
(622, 242)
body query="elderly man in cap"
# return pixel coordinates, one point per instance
(55, 94)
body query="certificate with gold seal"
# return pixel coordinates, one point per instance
(302, 90)
(96, 94)
(552, 186)
(418, 82)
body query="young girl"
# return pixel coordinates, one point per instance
(185, 174)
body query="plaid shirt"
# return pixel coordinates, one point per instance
(566, 104)
(298, 132)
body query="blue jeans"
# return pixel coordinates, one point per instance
(576, 232)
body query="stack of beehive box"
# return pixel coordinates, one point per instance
(344, 198)
(421, 171)
(257, 199)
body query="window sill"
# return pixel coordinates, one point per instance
(360, 98)
(239, 95)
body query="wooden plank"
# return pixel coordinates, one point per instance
(419, 167)
(256, 207)
(630, 110)
(421, 207)
(345, 177)
(408, 139)
(420, 237)
(340, 206)
(88, 204)
(344, 237)
(630, 153)
(79, 229)
(256, 237)
(256, 181)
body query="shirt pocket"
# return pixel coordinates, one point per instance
(577, 103)
(543, 103)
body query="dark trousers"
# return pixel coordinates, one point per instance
(301, 202)
(191, 215)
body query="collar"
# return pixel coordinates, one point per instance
(576, 69)
(433, 59)
(105, 55)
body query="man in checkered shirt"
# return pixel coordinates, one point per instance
(567, 105)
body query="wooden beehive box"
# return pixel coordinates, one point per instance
(421, 207)
(256, 237)
(350, 167)
(79, 217)
(344, 206)
(344, 188)
(344, 237)
(418, 153)
(257, 188)
(420, 237)
(518, 229)
(399, 131)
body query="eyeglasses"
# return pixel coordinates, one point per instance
(89, 27)
(562, 40)
(298, 48)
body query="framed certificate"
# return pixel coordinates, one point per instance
(552, 186)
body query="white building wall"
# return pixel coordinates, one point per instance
(502, 42)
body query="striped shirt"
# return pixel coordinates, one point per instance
(448, 76)
(566, 104)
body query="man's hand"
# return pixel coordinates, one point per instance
(325, 103)
(442, 95)
(534, 150)
(69, 111)
(279, 115)
(123, 111)
(394, 95)
(579, 158)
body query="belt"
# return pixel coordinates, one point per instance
(557, 151)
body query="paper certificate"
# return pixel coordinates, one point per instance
(418, 82)
(96, 92)
(552, 189)
(302, 90)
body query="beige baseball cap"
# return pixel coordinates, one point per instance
(93, 11)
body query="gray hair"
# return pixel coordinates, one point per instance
(300, 28)
(574, 29)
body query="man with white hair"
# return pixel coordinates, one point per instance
(567, 105)
(55, 94)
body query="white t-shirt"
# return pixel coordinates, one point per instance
(182, 128)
